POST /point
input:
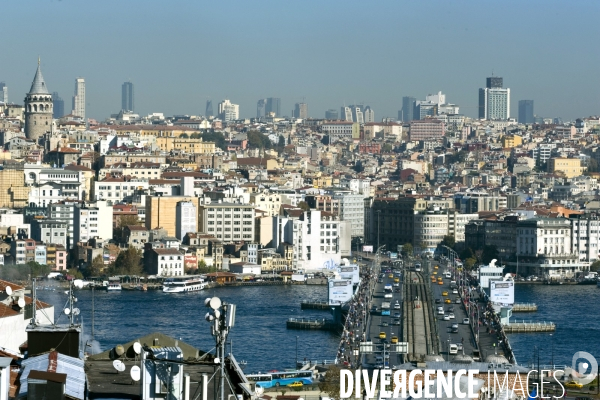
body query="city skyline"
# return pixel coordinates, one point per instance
(321, 85)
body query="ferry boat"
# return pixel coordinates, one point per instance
(113, 286)
(183, 284)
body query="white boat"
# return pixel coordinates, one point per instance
(183, 284)
(113, 287)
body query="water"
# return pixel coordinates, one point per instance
(259, 336)
(576, 312)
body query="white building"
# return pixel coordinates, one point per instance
(229, 222)
(341, 130)
(120, 190)
(494, 103)
(315, 236)
(585, 238)
(92, 221)
(164, 262)
(352, 210)
(186, 219)
(228, 111)
(79, 98)
(51, 185)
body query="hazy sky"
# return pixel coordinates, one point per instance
(178, 54)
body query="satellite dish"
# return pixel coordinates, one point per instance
(259, 391)
(135, 372)
(119, 350)
(21, 302)
(8, 290)
(119, 366)
(217, 360)
(215, 303)
(67, 311)
(137, 347)
(78, 283)
(76, 311)
(217, 314)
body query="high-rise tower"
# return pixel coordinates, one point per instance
(494, 100)
(59, 106)
(79, 98)
(209, 110)
(127, 97)
(38, 108)
(3, 92)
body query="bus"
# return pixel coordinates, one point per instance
(284, 378)
(418, 267)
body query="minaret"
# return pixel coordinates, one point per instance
(38, 108)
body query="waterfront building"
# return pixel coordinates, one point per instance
(228, 222)
(38, 108)
(79, 98)
(186, 219)
(163, 262)
(161, 211)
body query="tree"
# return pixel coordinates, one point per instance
(331, 383)
(75, 273)
(470, 262)
(448, 241)
(129, 262)
(325, 140)
(184, 136)
(407, 249)
(304, 206)
(259, 141)
(358, 166)
(387, 148)
(124, 220)
(595, 267)
(95, 268)
(37, 269)
(281, 143)
(216, 137)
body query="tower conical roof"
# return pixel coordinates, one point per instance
(38, 86)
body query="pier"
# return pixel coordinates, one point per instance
(524, 307)
(529, 327)
(314, 305)
(312, 324)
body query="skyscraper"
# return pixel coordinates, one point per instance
(228, 111)
(79, 98)
(331, 114)
(346, 114)
(301, 110)
(209, 109)
(408, 109)
(369, 114)
(3, 92)
(260, 108)
(127, 97)
(273, 106)
(526, 112)
(494, 101)
(59, 106)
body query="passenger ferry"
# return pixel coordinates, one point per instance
(113, 286)
(190, 283)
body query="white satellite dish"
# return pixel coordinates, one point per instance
(215, 303)
(135, 373)
(8, 290)
(78, 283)
(76, 311)
(21, 302)
(119, 365)
(259, 391)
(137, 347)
(67, 311)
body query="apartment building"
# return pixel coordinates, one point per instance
(426, 129)
(228, 222)
(91, 221)
(50, 231)
(570, 167)
(163, 262)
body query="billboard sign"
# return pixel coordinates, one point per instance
(350, 272)
(340, 291)
(393, 256)
(502, 293)
(368, 249)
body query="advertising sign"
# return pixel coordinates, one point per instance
(368, 249)
(502, 292)
(393, 256)
(350, 272)
(340, 291)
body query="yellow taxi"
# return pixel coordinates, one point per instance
(394, 339)
(448, 301)
(573, 384)
(397, 280)
(381, 335)
(390, 276)
(296, 384)
(433, 277)
(435, 272)
(436, 267)
(440, 283)
(444, 293)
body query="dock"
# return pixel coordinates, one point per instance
(315, 305)
(529, 327)
(524, 307)
(312, 324)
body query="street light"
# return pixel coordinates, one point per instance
(378, 215)
(296, 351)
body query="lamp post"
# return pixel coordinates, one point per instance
(378, 216)
(296, 351)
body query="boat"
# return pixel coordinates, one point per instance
(142, 286)
(190, 283)
(113, 286)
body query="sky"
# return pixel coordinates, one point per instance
(179, 54)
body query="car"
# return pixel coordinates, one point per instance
(396, 284)
(432, 276)
(574, 384)
(454, 330)
(386, 356)
(396, 280)
(391, 276)
(378, 365)
(444, 293)
(397, 315)
(451, 309)
(435, 272)
(459, 346)
(453, 349)
(438, 301)
(440, 310)
(394, 339)
(384, 323)
(451, 315)
(381, 335)
(436, 267)
(454, 291)
(379, 280)
(396, 321)
(397, 306)
(440, 283)
(446, 317)
(454, 326)
(397, 290)
(296, 384)
(447, 301)
(465, 321)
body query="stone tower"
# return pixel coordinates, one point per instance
(38, 108)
